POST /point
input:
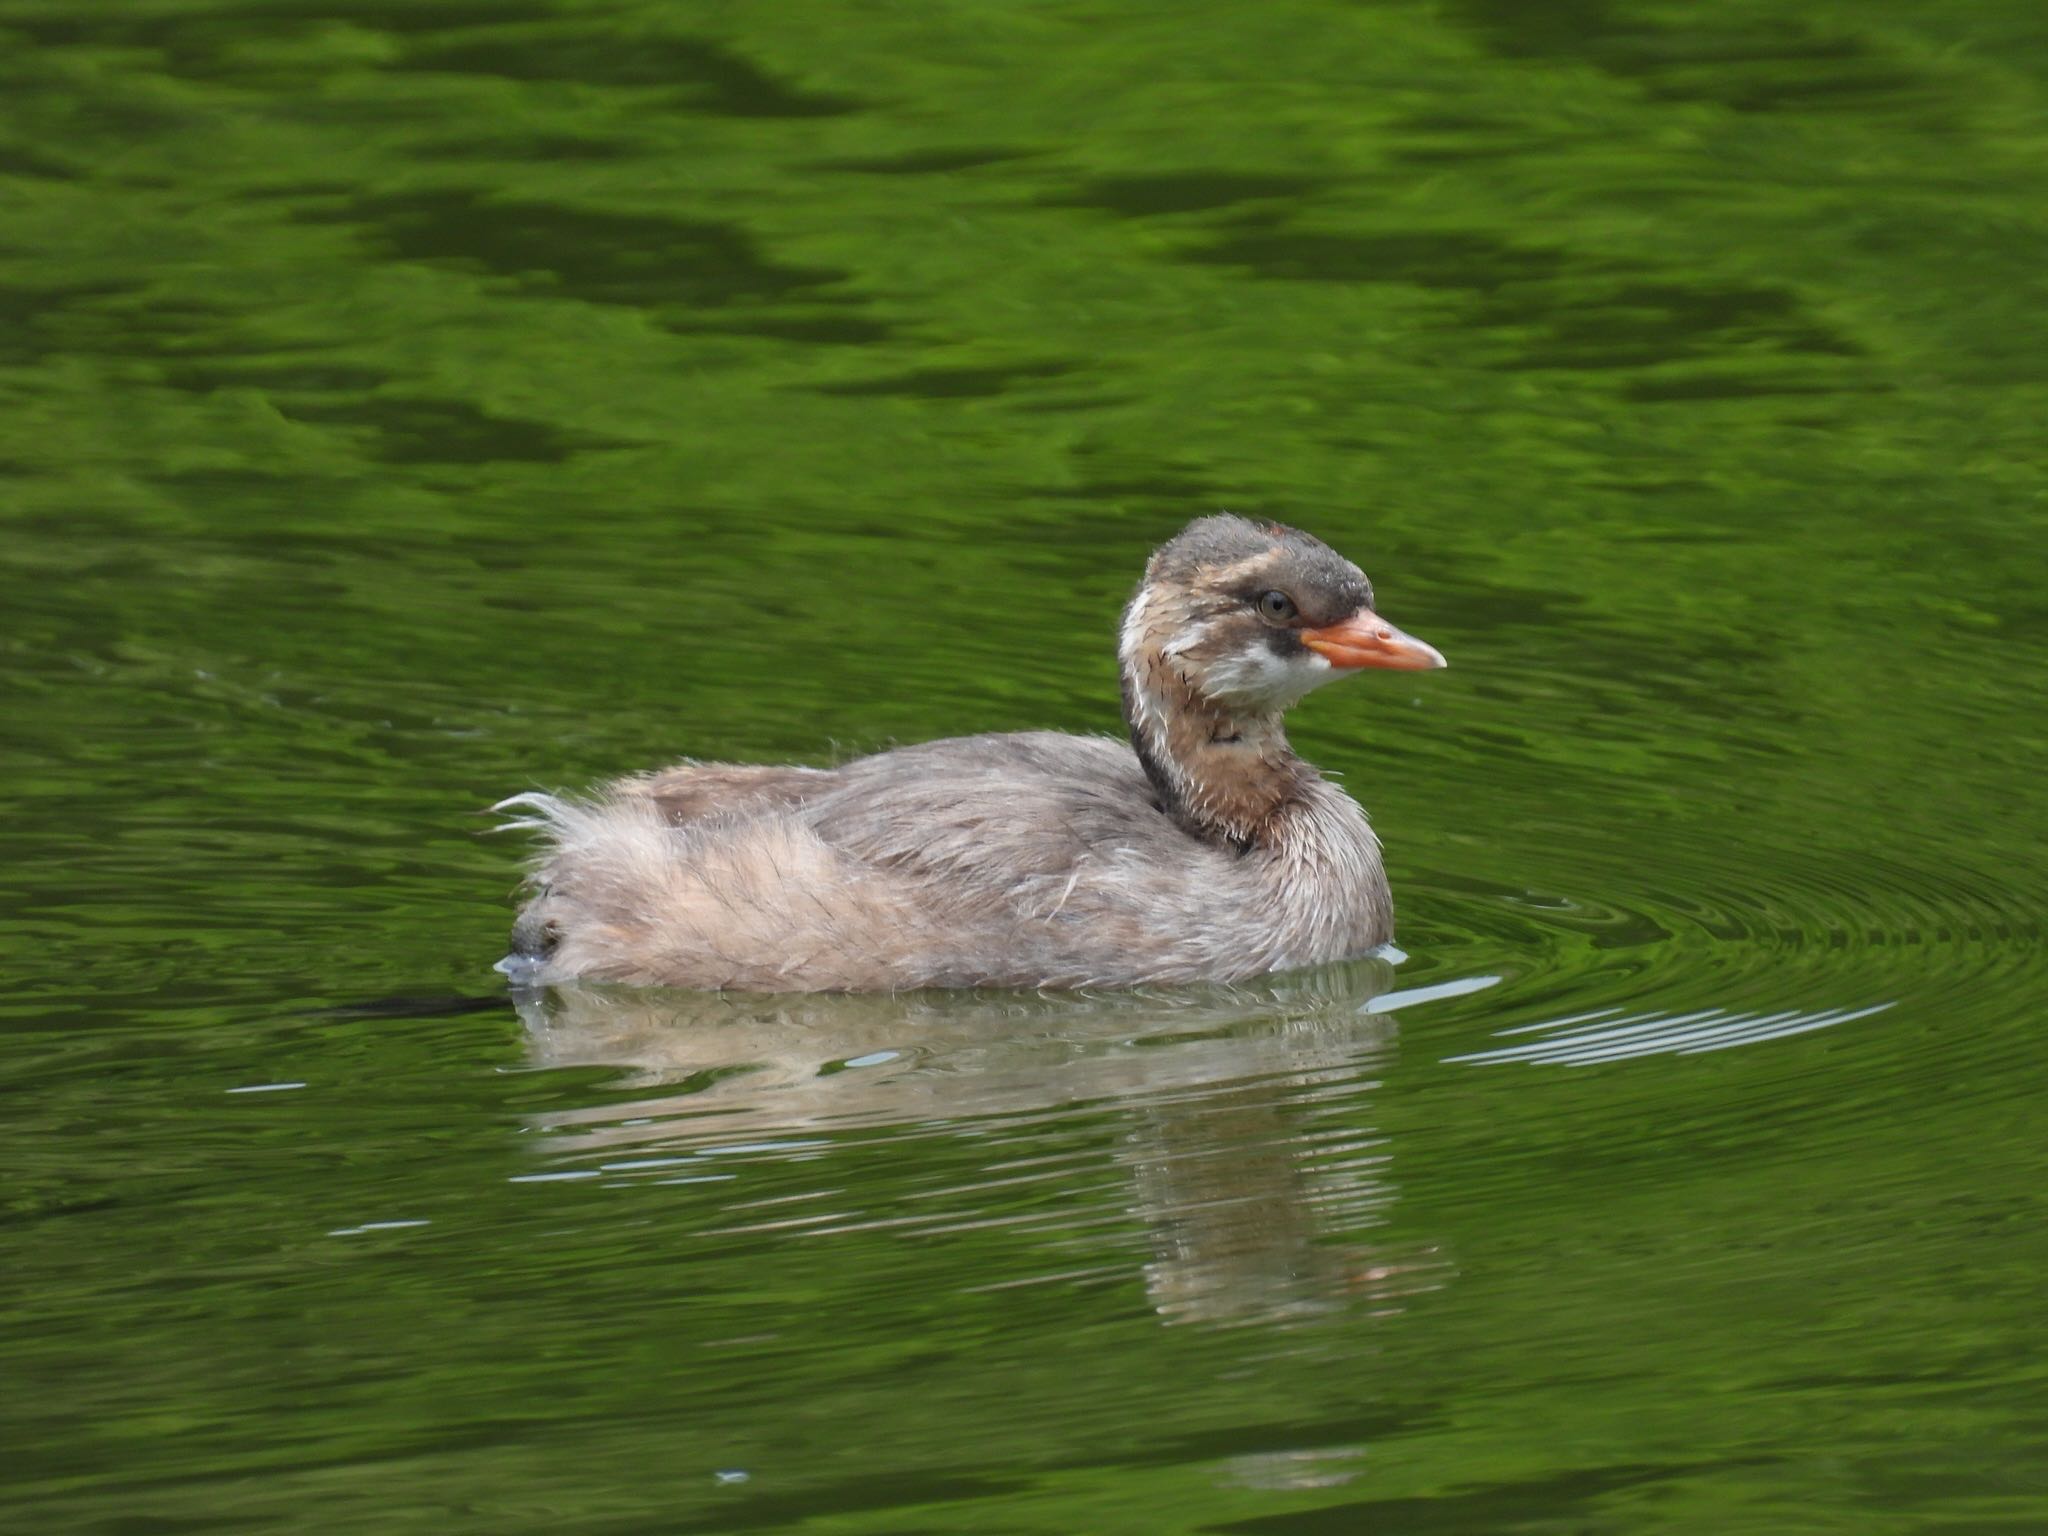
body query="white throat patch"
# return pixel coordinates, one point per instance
(1258, 677)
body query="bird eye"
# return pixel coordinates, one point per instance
(1275, 607)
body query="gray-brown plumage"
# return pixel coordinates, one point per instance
(1202, 850)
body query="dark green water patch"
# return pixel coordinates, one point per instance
(951, 383)
(708, 77)
(1633, 323)
(1763, 63)
(929, 162)
(412, 430)
(599, 256)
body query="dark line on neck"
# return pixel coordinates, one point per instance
(1162, 783)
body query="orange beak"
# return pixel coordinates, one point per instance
(1367, 640)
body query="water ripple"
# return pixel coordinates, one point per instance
(1622, 1037)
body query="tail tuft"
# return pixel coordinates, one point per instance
(544, 812)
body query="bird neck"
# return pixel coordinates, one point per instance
(1223, 774)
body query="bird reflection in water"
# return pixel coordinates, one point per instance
(1242, 1149)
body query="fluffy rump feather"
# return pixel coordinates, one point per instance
(720, 901)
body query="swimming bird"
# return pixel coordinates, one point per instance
(1202, 849)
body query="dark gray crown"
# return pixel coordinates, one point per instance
(1323, 582)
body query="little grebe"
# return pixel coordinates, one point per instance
(1205, 850)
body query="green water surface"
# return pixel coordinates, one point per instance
(410, 402)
